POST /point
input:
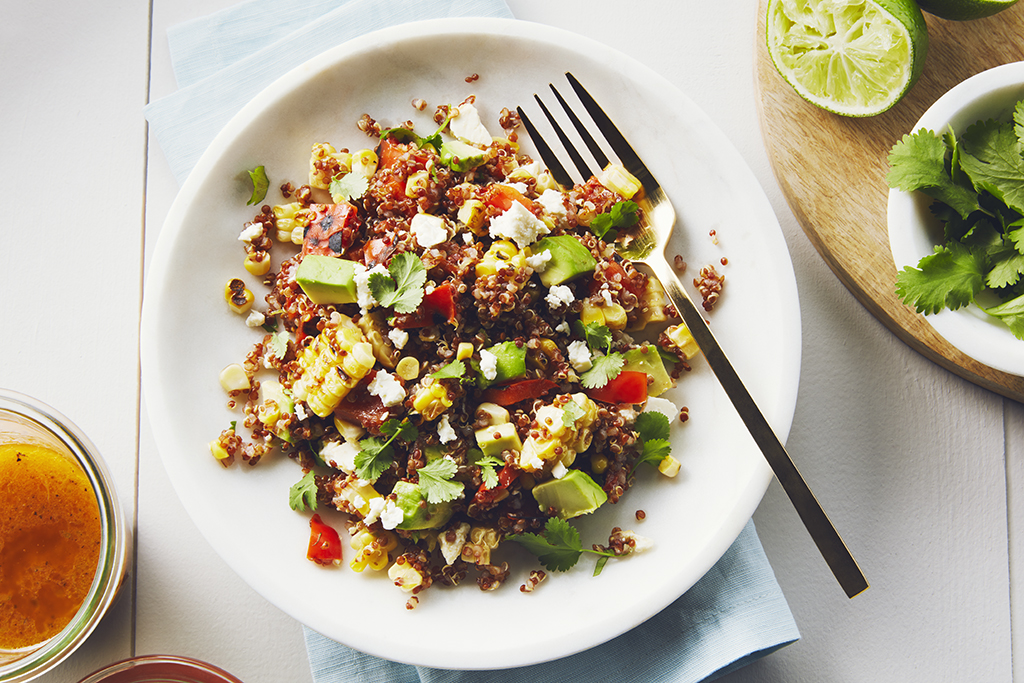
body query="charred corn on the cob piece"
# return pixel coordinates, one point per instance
(288, 218)
(332, 365)
(557, 435)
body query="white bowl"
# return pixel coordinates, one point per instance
(914, 232)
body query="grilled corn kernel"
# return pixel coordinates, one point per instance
(682, 339)
(482, 540)
(233, 378)
(406, 576)
(552, 440)
(364, 162)
(348, 430)
(325, 162)
(257, 263)
(372, 549)
(238, 296)
(669, 466)
(416, 184)
(408, 368)
(463, 351)
(353, 495)
(617, 179)
(218, 450)
(287, 217)
(501, 255)
(431, 399)
(375, 327)
(652, 305)
(612, 316)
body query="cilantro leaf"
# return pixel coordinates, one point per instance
(1012, 313)
(558, 549)
(1016, 236)
(403, 430)
(452, 370)
(402, 288)
(991, 157)
(435, 481)
(347, 187)
(604, 370)
(651, 425)
(918, 162)
(571, 412)
(374, 457)
(622, 215)
(1018, 124)
(950, 277)
(260, 185)
(488, 465)
(1008, 266)
(302, 494)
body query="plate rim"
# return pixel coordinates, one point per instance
(513, 28)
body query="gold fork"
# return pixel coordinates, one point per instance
(646, 244)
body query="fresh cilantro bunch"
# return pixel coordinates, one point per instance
(977, 182)
(606, 367)
(559, 547)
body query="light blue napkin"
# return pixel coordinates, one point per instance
(735, 614)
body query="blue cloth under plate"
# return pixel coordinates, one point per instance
(735, 614)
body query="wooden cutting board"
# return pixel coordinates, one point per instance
(832, 172)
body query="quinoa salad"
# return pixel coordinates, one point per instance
(452, 351)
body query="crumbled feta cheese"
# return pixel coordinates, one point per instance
(364, 297)
(558, 470)
(559, 295)
(387, 387)
(251, 233)
(562, 327)
(391, 516)
(451, 550)
(429, 230)
(553, 203)
(539, 262)
(445, 431)
(662, 405)
(519, 225)
(376, 506)
(467, 237)
(530, 461)
(640, 543)
(580, 357)
(467, 125)
(300, 412)
(398, 337)
(255, 318)
(606, 294)
(488, 364)
(340, 455)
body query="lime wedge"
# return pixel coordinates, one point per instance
(851, 57)
(964, 10)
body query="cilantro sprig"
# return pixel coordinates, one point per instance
(606, 366)
(558, 547)
(376, 453)
(453, 370)
(436, 481)
(302, 494)
(488, 465)
(977, 183)
(260, 185)
(347, 187)
(652, 430)
(623, 215)
(402, 287)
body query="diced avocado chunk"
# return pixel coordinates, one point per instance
(459, 156)
(417, 512)
(573, 495)
(326, 279)
(510, 362)
(569, 259)
(647, 359)
(271, 416)
(497, 438)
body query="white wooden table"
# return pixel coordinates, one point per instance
(917, 467)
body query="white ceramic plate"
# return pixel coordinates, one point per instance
(189, 335)
(914, 231)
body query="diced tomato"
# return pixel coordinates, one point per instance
(388, 153)
(376, 251)
(437, 307)
(629, 386)
(502, 196)
(485, 496)
(332, 229)
(363, 408)
(519, 391)
(324, 543)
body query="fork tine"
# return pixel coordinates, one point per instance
(578, 160)
(558, 172)
(629, 158)
(588, 139)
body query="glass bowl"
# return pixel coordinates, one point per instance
(24, 420)
(160, 669)
(914, 231)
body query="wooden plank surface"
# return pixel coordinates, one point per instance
(832, 172)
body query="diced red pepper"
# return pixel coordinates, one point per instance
(437, 307)
(388, 153)
(376, 251)
(502, 196)
(519, 391)
(629, 386)
(332, 230)
(324, 543)
(486, 496)
(363, 408)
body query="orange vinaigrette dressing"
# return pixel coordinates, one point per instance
(49, 542)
